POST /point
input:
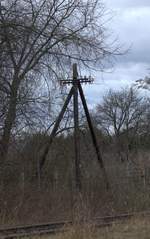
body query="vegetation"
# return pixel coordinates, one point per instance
(133, 229)
(51, 196)
(39, 40)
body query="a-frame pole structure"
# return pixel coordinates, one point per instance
(75, 91)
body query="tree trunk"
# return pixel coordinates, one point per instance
(10, 117)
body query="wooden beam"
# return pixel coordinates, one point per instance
(76, 130)
(94, 139)
(55, 128)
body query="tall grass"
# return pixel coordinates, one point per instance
(135, 228)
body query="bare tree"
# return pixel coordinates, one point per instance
(143, 83)
(38, 37)
(122, 114)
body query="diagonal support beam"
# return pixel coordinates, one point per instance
(99, 156)
(55, 128)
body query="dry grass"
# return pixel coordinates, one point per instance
(134, 229)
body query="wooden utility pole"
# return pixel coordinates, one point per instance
(76, 129)
(76, 90)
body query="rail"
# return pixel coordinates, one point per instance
(57, 227)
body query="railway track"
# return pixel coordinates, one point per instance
(31, 230)
(51, 228)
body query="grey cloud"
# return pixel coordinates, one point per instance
(131, 25)
(122, 76)
(132, 28)
(127, 3)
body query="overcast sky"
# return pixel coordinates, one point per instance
(131, 24)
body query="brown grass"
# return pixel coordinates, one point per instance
(134, 229)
